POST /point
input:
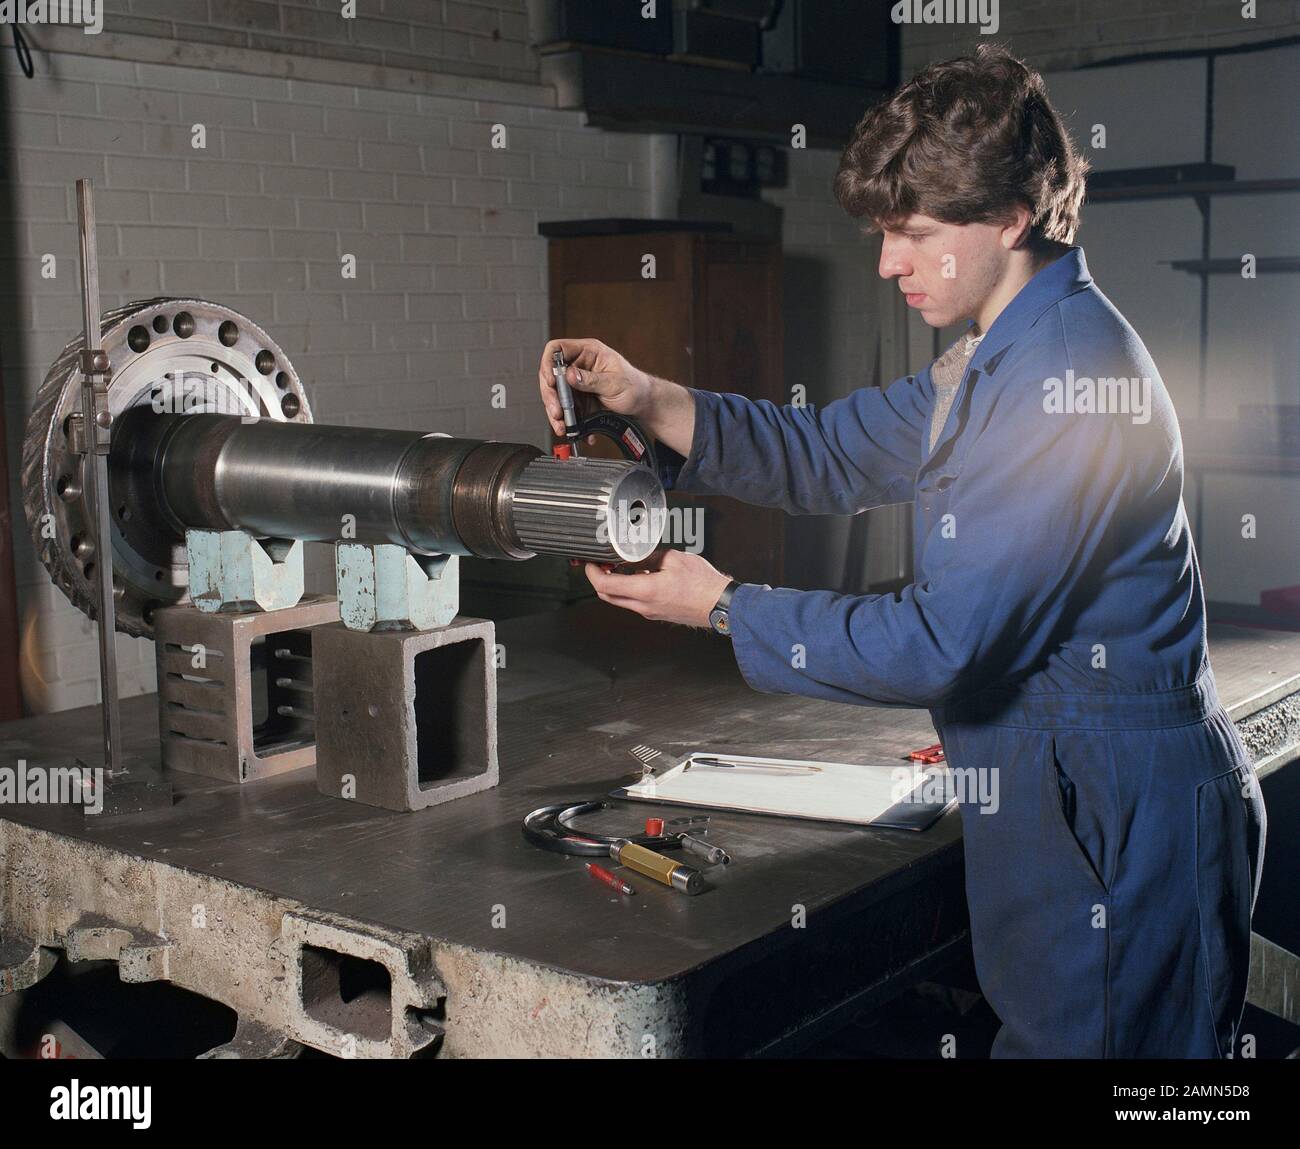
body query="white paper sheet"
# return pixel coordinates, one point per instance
(905, 794)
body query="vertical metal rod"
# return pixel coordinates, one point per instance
(97, 429)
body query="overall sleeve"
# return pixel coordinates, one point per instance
(857, 452)
(1029, 514)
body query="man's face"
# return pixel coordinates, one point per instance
(946, 271)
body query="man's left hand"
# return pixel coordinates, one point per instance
(669, 586)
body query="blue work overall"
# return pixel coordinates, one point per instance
(1055, 629)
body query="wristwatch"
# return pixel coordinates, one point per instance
(718, 618)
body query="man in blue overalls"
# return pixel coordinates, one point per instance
(1055, 628)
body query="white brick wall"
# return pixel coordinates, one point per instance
(486, 38)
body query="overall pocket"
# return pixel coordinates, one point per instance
(1063, 803)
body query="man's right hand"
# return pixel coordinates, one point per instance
(596, 371)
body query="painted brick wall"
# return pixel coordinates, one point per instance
(468, 37)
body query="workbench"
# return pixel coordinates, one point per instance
(491, 947)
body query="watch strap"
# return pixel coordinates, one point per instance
(728, 592)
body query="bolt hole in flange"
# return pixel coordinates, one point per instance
(160, 323)
(138, 338)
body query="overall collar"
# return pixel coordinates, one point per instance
(1059, 279)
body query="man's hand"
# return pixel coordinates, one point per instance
(669, 586)
(599, 376)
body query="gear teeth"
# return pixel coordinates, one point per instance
(569, 507)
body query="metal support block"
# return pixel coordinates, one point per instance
(386, 587)
(406, 719)
(232, 570)
(235, 691)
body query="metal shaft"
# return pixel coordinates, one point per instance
(96, 428)
(429, 493)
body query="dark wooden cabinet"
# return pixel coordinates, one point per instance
(710, 317)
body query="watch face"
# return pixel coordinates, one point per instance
(719, 621)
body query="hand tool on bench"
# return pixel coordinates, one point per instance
(682, 878)
(714, 855)
(548, 828)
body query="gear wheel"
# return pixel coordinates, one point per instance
(175, 354)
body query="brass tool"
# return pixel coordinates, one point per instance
(684, 879)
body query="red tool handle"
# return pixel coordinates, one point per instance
(927, 754)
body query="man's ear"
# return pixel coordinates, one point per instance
(1015, 232)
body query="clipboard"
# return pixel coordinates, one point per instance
(902, 796)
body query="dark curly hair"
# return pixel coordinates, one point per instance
(962, 141)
